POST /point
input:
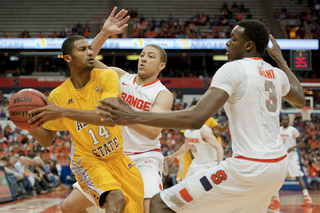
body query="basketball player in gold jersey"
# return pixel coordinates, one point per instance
(97, 161)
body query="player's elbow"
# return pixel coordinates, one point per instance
(45, 143)
(154, 134)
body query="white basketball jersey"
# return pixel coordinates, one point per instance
(288, 136)
(140, 98)
(255, 91)
(202, 151)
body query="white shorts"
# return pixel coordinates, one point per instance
(234, 186)
(194, 167)
(294, 168)
(89, 197)
(150, 166)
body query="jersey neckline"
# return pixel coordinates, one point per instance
(153, 82)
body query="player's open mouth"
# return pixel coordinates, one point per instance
(141, 66)
(91, 60)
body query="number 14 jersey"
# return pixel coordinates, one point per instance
(91, 140)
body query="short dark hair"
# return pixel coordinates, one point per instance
(163, 54)
(257, 32)
(68, 44)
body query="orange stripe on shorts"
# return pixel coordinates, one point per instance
(185, 195)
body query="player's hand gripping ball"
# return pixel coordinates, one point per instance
(20, 105)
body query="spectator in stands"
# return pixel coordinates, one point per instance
(79, 27)
(68, 31)
(18, 183)
(136, 29)
(56, 179)
(86, 32)
(34, 171)
(25, 34)
(235, 7)
(74, 30)
(40, 35)
(6, 35)
(18, 167)
(242, 8)
(314, 169)
(54, 34)
(45, 172)
(62, 34)
(3, 115)
(87, 25)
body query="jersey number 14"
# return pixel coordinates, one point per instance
(102, 133)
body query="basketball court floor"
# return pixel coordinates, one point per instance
(50, 203)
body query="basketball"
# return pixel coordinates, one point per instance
(20, 105)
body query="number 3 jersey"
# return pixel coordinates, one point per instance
(255, 90)
(91, 140)
(140, 98)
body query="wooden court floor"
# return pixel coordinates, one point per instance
(50, 203)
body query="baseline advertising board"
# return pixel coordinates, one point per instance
(140, 43)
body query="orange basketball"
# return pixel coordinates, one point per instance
(20, 105)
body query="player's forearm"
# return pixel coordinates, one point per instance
(299, 145)
(147, 131)
(42, 136)
(84, 116)
(181, 150)
(184, 119)
(220, 153)
(98, 41)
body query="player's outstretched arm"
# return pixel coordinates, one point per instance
(162, 103)
(184, 148)
(113, 25)
(192, 118)
(296, 94)
(53, 112)
(207, 135)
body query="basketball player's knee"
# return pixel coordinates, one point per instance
(156, 204)
(115, 201)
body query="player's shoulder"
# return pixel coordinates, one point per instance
(292, 127)
(127, 76)
(205, 128)
(165, 93)
(233, 64)
(58, 91)
(98, 72)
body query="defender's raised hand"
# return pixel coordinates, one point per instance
(120, 115)
(115, 24)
